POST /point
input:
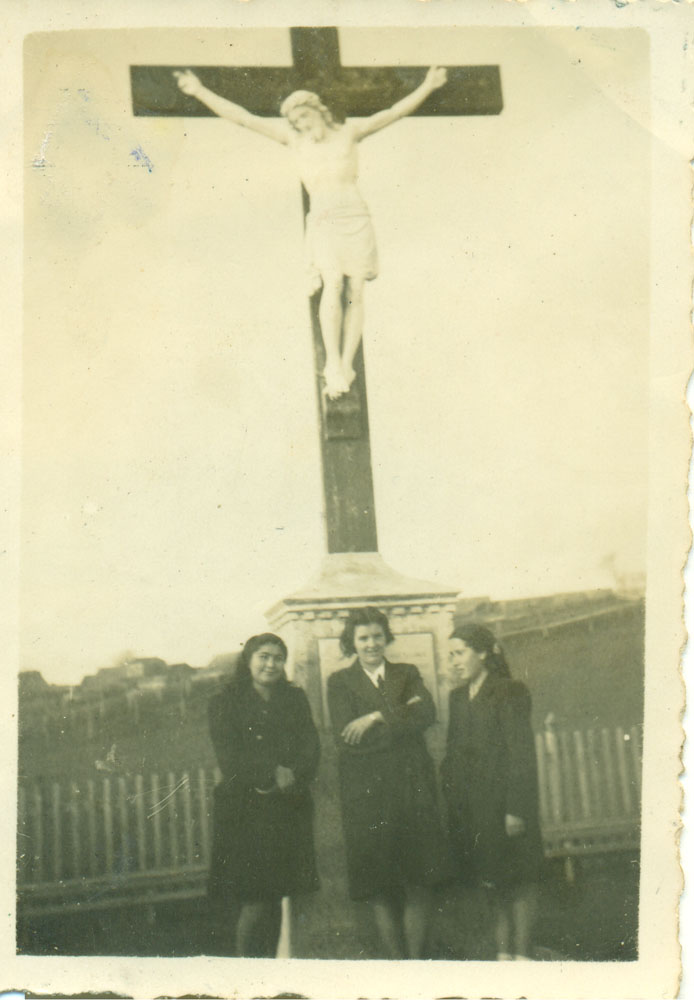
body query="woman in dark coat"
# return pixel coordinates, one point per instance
(490, 785)
(395, 845)
(267, 747)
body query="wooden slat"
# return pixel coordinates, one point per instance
(75, 830)
(545, 813)
(623, 772)
(123, 823)
(554, 777)
(597, 788)
(23, 839)
(203, 807)
(635, 749)
(188, 820)
(581, 770)
(56, 832)
(140, 823)
(571, 810)
(108, 824)
(609, 773)
(91, 827)
(172, 811)
(155, 819)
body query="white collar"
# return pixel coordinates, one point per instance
(474, 686)
(375, 675)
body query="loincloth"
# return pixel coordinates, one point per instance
(341, 238)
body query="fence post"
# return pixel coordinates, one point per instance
(554, 775)
(173, 828)
(623, 772)
(584, 793)
(156, 820)
(596, 787)
(187, 819)
(567, 776)
(57, 834)
(609, 773)
(140, 823)
(38, 832)
(75, 831)
(91, 827)
(108, 825)
(204, 818)
(123, 825)
(635, 747)
(23, 838)
(542, 777)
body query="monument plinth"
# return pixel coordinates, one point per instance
(311, 621)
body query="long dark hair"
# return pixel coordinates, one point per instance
(242, 680)
(483, 640)
(363, 616)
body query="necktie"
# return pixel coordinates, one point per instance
(381, 685)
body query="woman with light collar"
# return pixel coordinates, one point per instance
(395, 846)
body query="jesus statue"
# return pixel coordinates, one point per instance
(340, 241)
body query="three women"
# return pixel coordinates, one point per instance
(396, 850)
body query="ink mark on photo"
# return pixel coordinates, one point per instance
(142, 158)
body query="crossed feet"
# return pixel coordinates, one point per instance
(338, 381)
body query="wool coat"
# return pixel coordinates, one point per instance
(390, 815)
(263, 837)
(489, 771)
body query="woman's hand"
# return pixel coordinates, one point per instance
(284, 777)
(436, 77)
(188, 82)
(354, 730)
(514, 825)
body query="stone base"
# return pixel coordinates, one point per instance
(312, 619)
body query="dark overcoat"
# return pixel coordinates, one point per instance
(263, 837)
(489, 771)
(390, 814)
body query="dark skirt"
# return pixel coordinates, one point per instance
(485, 854)
(262, 845)
(390, 815)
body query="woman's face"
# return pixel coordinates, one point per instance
(267, 664)
(369, 645)
(466, 663)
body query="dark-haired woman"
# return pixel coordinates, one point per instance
(267, 747)
(490, 784)
(395, 846)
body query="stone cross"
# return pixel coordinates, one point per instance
(347, 91)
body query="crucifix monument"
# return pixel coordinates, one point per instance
(315, 96)
(348, 91)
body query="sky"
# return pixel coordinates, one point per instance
(171, 468)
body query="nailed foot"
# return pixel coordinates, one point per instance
(336, 384)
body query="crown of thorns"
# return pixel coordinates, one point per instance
(304, 99)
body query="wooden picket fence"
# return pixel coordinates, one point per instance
(134, 839)
(590, 790)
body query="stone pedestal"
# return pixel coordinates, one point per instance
(311, 621)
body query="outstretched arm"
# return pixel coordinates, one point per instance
(435, 78)
(191, 85)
